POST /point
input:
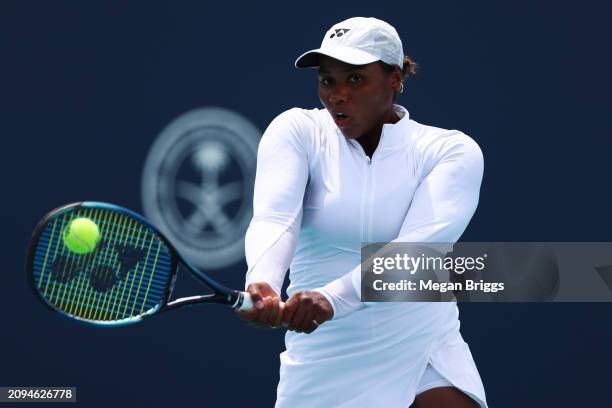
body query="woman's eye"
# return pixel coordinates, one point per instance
(354, 79)
(325, 81)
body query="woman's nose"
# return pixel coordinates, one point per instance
(338, 94)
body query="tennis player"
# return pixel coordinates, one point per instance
(360, 170)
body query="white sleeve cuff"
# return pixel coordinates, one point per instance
(344, 293)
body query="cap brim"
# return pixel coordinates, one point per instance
(349, 55)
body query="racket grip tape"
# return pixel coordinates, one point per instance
(244, 302)
(247, 304)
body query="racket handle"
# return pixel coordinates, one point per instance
(247, 303)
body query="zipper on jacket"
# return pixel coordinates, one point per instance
(365, 210)
(366, 201)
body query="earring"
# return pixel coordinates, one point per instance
(401, 87)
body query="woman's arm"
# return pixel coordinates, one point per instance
(441, 209)
(280, 182)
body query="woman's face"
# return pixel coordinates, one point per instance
(359, 97)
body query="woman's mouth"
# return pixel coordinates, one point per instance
(341, 119)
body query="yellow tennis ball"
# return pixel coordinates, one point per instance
(81, 236)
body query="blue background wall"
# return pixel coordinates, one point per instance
(86, 88)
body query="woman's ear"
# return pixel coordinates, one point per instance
(397, 77)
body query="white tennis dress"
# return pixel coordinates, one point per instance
(317, 198)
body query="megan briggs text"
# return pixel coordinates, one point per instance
(430, 285)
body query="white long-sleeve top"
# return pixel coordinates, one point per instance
(421, 185)
(317, 198)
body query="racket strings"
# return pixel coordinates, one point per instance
(125, 276)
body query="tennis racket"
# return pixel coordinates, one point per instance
(127, 277)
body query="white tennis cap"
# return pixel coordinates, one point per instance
(357, 41)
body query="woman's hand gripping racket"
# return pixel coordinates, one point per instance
(106, 265)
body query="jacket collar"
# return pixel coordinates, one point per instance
(395, 134)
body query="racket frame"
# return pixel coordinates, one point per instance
(221, 295)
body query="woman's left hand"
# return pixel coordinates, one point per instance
(305, 311)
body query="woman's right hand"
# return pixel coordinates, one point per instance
(267, 311)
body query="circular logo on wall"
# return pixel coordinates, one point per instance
(197, 184)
